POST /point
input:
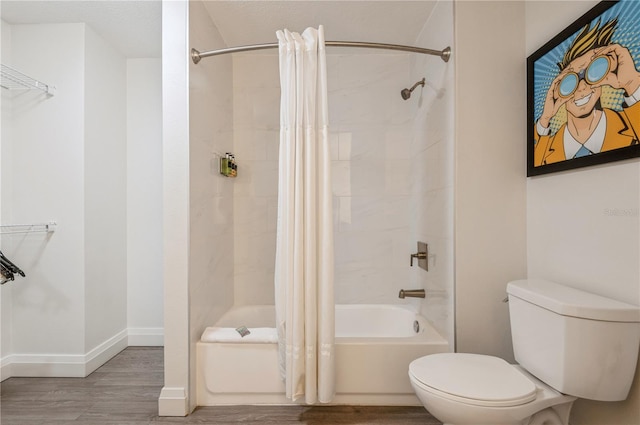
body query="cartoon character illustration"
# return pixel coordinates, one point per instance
(591, 63)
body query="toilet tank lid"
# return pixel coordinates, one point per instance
(573, 302)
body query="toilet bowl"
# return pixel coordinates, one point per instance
(560, 336)
(472, 389)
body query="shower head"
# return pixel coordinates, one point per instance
(406, 93)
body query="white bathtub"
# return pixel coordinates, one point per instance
(374, 346)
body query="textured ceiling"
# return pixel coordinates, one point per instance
(255, 22)
(132, 27)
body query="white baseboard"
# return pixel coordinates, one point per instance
(105, 352)
(146, 337)
(5, 368)
(78, 365)
(66, 365)
(173, 402)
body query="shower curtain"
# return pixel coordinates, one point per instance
(304, 241)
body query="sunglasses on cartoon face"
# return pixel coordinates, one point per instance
(592, 74)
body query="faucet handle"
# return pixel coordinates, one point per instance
(418, 255)
(422, 255)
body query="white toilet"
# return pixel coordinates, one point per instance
(568, 343)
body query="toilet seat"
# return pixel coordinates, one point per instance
(473, 379)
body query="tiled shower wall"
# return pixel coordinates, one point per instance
(256, 112)
(370, 134)
(211, 195)
(388, 186)
(432, 163)
(373, 141)
(371, 176)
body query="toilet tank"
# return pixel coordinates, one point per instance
(579, 343)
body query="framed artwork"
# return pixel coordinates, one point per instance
(583, 92)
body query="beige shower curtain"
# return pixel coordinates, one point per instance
(304, 250)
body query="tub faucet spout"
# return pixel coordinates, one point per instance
(415, 293)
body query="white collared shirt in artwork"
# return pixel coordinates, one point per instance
(593, 144)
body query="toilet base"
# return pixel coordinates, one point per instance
(549, 408)
(557, 415)
(551, 416)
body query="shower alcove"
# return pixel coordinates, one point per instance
(392, 166)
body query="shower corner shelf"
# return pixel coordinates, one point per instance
(16, 80)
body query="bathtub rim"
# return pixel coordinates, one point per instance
(428, 332)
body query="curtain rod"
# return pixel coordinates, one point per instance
(445, 54)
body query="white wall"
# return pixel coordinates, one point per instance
(105, 184)
(144, 202)
(5, 165)
(604, 258)
(583, 226)
(69, 315)
(48, 143)
(42, 181)
(490, 198)
(174, 397)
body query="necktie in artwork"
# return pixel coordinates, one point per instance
(583, 152)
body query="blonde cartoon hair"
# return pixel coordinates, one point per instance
(588, 39)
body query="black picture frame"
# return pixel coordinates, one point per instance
(544, 155)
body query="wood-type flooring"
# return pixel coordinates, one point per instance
(125, 391)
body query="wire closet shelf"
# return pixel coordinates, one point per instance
(13, 79)
(10, 229)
